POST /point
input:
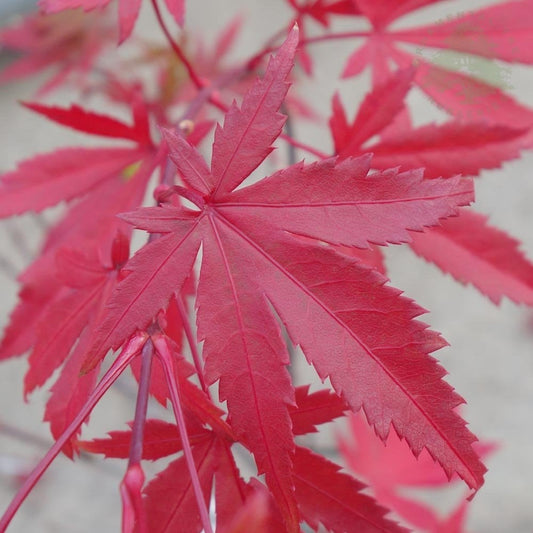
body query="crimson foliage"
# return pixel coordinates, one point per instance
(262, 263)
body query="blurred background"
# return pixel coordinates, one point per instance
(490, 358)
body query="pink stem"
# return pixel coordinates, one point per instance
(334, 36)
(268, 48)
(130, 489)
(137, 431)
(168, 365)
(192, 344)
(321, 155)
(176, 48)
(303, 146)
(133, 518)
(121, 362)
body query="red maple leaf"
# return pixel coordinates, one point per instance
(324, 494)
(264, 255)
(320, 11)
(444, 150)
(128, 10)
(502, 32)
(108, 181)
(66, 43)
(388, 468)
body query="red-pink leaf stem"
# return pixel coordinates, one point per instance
(137, 431)
(197, 359)
(130, 351)
(333, 36)
(321, 155)
(268, 48)
(303, 146)
(167, 361)
(176, 48)
(133, 516)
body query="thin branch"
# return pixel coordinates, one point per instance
(133, 517)
(137, 431)
(176, 48)
(305, 147)
(192, 344)
(131, 350)
(173, 386)
(334, 36)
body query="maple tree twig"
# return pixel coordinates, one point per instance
(130, 351)
(22, 435)
(173, 386)
(334, 36)
(137, 431)
(176, 48)
(268, 48)
(321, 155)
(303, 146)
(133, 481)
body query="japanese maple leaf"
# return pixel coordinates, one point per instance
(105, 180)
(263, 257)
(320, 11)
(162, 439)
(387, 468)
(66, 43)
(128, 10)
(91, 221)
(444, 150)
(67, 173)
(64, 330)
(502, 31)
(213, 65)
(501, 268)
(324, 494)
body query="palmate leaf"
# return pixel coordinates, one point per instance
(160, 440)
(314, 408)
(66, 44)
(264, 257)
(94, 123)
(128, 10)
(390, 467)
(168, 514)
(334, 499)
(68, 173)
(469, 244)
(444, 150)
(92, 220)
(47, 179)
(502, 31)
